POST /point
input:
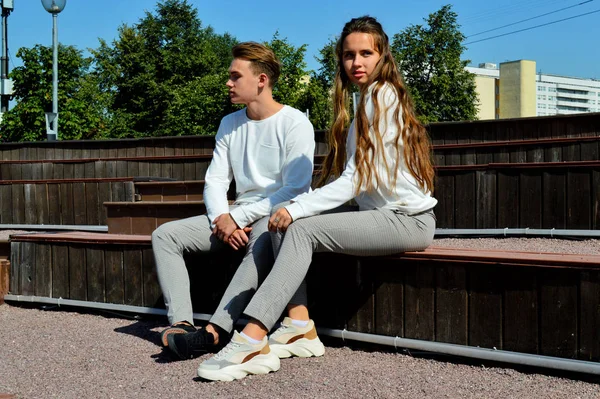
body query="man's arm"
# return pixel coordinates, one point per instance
(218, 176)
(296, 175)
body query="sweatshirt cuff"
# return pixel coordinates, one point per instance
(295, 210)
(239, 217)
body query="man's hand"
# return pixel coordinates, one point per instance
(280, 220)
(239, 238)
(224, 226)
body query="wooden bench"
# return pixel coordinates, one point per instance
(518, 301)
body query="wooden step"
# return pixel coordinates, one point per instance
(144, 217)
(187, 190)
(167, 191)
(4, 278)
(61, 201)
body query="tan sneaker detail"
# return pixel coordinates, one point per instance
(238, 359)
(291, 340)
(264, 351)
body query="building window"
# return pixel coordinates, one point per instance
(541, 97)
(550, 98)
(551, 88)
(541, 88)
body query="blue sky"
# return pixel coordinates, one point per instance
(567, 48)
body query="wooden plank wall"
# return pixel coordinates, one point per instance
(560, 196)
(61, 202)
(113, 273)
(82, 149)
(567, 150)
(122, 274)
(544, 311)
(189, 167)
(535, 128)
(549, 311)
(488, 131)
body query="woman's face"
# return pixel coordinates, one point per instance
(359, 57)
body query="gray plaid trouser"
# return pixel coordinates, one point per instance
(174, 239)
(361, 233)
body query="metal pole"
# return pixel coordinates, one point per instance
(54, 77)
(4, 62)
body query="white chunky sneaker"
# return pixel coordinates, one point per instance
(291, 340)
(238, 359)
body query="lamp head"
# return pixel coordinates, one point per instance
(54, 6)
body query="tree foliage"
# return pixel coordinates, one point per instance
(78, 114)
(293, 78)
(429, 58)
(316, 98)
(166, 75)
(163, 68)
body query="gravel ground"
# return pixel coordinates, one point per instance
(62, 354)
(528, 244)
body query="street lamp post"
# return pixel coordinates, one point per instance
(5, 83)
(54, 7)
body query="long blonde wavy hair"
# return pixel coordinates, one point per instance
(417, 146)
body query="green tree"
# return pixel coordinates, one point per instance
(429, 58)
(197, 106)
(316, 97)
(163, 68)
(328, 61)
(294, 77)
(79, 117)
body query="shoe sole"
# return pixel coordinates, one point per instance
(302, 348)
(164, 336)
(261, 364)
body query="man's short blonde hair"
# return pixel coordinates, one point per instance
(262, 59)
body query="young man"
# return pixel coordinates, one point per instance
(268, 149)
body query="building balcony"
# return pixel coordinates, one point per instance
(584, 107)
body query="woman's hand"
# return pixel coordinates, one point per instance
(280, 220)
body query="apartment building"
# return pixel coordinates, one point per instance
(515, 89)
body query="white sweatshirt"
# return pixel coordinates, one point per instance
(406, 196)
(271, 161)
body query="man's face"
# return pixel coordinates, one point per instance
(243, 83)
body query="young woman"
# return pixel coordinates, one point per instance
(382, 160)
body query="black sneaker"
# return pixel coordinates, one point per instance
(181, 327)
(189, 346)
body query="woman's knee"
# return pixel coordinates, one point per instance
(301, 227)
